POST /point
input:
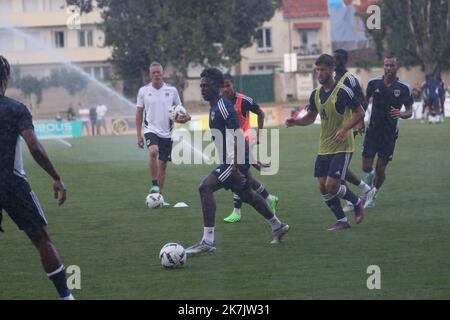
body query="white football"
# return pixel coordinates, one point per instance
(172, 256)
(177, 111)
(154, 200)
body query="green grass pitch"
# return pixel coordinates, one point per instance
(106, 230)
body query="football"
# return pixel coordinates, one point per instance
(172, 256)
(176, 111)
(154, 200)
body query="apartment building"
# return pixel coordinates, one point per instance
(300, 26)
(48, 32)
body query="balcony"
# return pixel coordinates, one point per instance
(308, 52)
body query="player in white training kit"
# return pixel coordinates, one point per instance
(153, 104)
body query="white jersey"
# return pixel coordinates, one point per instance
(156, 104)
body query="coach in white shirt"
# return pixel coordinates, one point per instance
(153, 103)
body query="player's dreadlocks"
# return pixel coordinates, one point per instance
(5, 72)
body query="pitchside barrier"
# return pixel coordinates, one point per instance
(274, 117)
(58, 130)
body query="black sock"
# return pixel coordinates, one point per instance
(262, 192)
(334, 203)
(59, 280)
(346, 194)
(155, 183)
(237, 201)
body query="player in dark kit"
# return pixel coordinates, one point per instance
(388, 95)
(245, 105)
(233, 173)
(343, 76)
(16, 196)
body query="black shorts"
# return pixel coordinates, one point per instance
(384, 148)
(233, 181)
(164, 146)
(21, 204)
(332, 165)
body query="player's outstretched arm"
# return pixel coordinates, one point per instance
(40, 156)
(308, 119)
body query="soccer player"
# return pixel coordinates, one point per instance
(430, 93)
(388, 95)
(153, 103)
(441, 91)
(224, 124)
(243, 106)
(339, 112)
(343, 76)
(16, 196)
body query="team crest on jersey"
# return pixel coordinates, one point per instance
(167, 94)
(397, 93)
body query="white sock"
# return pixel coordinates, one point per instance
(343, 220)
(275, 223)
(237, 211)
(68, 298)
(208, 235)
(364, 187)
(269, 199)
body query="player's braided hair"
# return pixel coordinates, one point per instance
(5, 72)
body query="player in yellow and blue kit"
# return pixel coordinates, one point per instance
(339, 112)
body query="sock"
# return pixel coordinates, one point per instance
(364, 187)
(208, 235)
(58, 277)
(237, 204)
(334, 204)
(343, 220)
(155, 183)
(275, 223)
(263, 192)
(347, 194)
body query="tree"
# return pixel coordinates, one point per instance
(417, 32)
(30, 85)
(70, 80)
(177, 33)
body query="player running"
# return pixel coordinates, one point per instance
(243, 106)
(343, 76)
(339, 112)
(16, 196)
(388, 95)
(233, 173)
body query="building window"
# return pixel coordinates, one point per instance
(30, 5)
(86, 38)
(264, 39)
(262, 69)
(59, 38)
(57, 5)
(30, 43)
(309, 44)
(6, 6)
(6, 42)
(106, 73)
